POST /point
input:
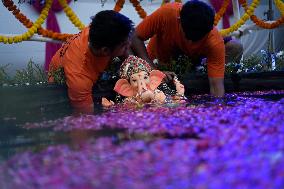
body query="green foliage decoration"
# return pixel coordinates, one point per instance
(31, 75)
(180, 65)
(279, 61)
(58, 76)
(4, 77)
(34, 74)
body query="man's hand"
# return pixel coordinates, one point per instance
(107, 103)
(169, 76)
(217, 87)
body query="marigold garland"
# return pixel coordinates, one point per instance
(71, 15)
(138, 8)
(168, 1)
(118, 5)
(242, 20)
(32, 29)
(260, 22)
(141, 12)
(221, 11)
(280, 5)
(9, 4)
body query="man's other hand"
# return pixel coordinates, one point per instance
(169, 76)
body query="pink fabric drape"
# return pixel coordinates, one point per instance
(217, 5)
(51, 24)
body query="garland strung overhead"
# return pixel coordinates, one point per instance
(141, 12)
(260, 22)
(221, 12)
(33, 27)
(280, 6)
(71, 15)
(118, 5)
(9, 4)
(243, 19)
(36, 26)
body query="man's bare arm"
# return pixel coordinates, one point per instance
(139, 49)
(217, 87)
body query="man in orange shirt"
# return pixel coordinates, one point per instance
(184, 28)
(85, 55)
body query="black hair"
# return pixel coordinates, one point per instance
(197, 19)
(109, 29)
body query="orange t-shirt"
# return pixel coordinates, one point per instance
(81, 68)
(164, 29)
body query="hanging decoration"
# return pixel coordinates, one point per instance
(51, 24)
(260, 22)
(141, 12)
(9, 4)
(36, 27)
(224, 12)
(280, 6)
(71, 15)
(118, 5)
(243, 19)
(33, 28)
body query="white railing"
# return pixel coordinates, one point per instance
(35, 37)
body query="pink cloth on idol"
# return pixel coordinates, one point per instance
(51, 24)
(217, 5)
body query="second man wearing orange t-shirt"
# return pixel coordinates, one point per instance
(184, 28)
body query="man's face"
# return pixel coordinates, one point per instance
(194, 35)
(122, 49)
(193, 32)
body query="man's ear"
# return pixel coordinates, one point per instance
(105, 51)
(124, 88)
(156, 77)
(100, 51)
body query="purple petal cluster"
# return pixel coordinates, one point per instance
(189, 119)
(238, 143)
